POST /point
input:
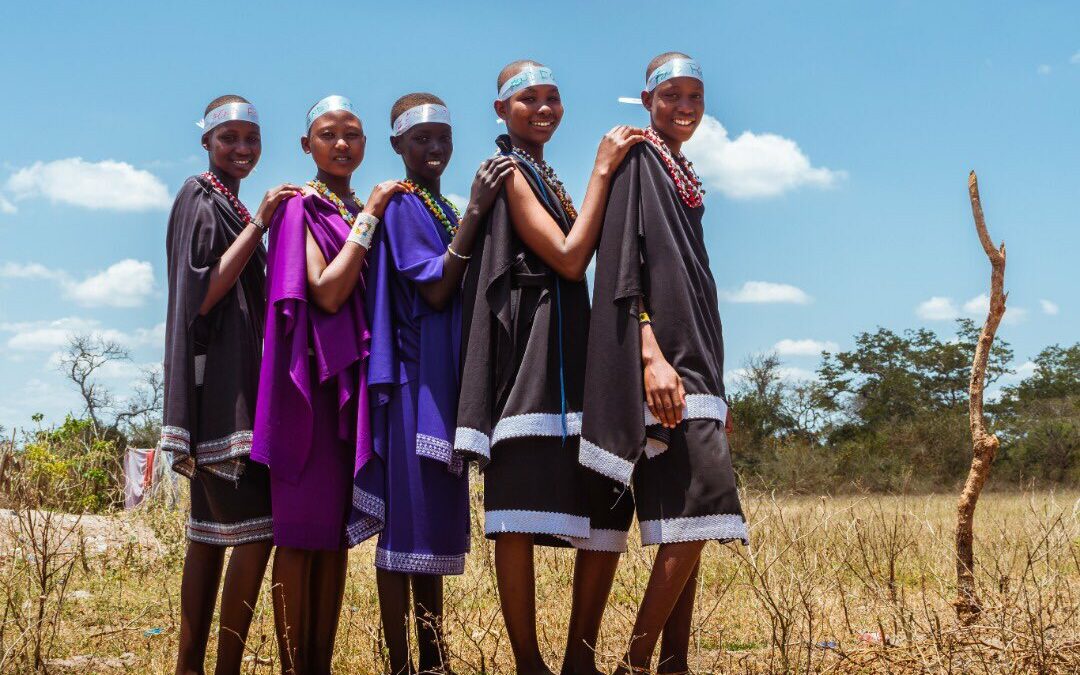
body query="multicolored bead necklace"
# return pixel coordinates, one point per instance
(551, 179)
(436, 208)
(328, 194)
(681, 170)
(241, 210)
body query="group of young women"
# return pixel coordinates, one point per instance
(334, 385)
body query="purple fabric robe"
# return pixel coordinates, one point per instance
(416, 492)
(298, 336)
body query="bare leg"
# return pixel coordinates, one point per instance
(516, 577)
(292, 570)
(243, 578)
(198, 595)
(672, 568)
(428, 608)
(394, 610)
(675, 640)
(594, 572)
(327, 590)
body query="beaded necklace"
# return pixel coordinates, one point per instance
(328, 194)
(681, 170)
(549, 176)
(225, 192)
(435, 207)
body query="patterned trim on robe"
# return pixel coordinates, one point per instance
(218, 457)
(230, 534)
(536, 522)
(722, 527)
(440, 450)
(611, 541)
(373, 521)
(516, 426)
(419, 563)
(698, 406)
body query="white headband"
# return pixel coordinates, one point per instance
(421, 114)
(330, 104)
(529, 76)
(228, 112)
(679, 67)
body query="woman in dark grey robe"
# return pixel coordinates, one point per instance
(213, 342)
(525, 318)
(655, 414)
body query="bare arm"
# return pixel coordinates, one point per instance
(228, 268)
(332, 283)
(569, 254)
(486, 184)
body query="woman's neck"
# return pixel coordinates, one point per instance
(673, 145)
(231, 183)
(536, 151)
(432, 186)
(336, 184)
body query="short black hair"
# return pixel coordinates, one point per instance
(411, 101)
(661, 60)
(222, 100)
(512, 69)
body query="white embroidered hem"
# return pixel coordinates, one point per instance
(611, 541)
(698, 406)
(603, 462)
(419, 563)
(536, 522)
(721, 527)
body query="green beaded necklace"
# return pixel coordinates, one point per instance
(435, 207)
(328, 194)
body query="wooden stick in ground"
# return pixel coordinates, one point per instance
(984, 445)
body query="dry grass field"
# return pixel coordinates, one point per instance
(830, 585)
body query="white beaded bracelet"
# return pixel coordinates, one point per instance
(363, 229)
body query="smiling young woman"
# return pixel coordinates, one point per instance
(527, 309)
(213, 339)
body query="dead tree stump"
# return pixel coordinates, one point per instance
(984, 444)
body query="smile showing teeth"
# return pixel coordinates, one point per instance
(242, 162)
(434, 162)
(341, 159)
(541, 124)
(684, 123)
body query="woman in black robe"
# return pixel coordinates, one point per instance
(525, 316)
(213, 343)
(655, 413)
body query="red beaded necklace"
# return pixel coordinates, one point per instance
(240, 209)
(681, 170)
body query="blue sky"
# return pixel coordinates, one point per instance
(836, 160)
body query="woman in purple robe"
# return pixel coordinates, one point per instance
(415, 493)
(311, 423)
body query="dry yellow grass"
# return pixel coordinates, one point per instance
(850, 584)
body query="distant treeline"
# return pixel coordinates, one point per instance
(891, 415)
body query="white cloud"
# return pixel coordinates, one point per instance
(767, 292)
(937, 309)
(12, 270)
(786, 373)
(53, 335)
(127, 283)
(50, 336)
(940, 308)
(1043, 69)
(788, 347)
(94, 185)
(1049, 307)
(753, 165)
(6, 206)
(636, 100)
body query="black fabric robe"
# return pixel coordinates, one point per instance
(209, 429)
(651, 246)
(512, 330)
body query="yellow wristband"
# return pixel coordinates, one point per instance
(644, 318)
